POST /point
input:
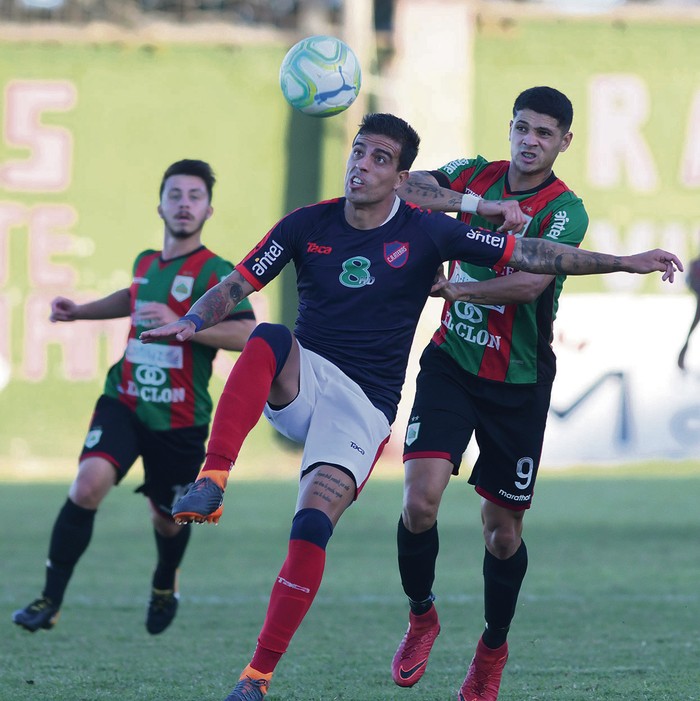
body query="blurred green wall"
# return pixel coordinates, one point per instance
(130, 110)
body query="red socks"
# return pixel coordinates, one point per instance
(292, 596)
(241, 404)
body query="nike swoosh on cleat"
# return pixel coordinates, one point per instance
(408, 673)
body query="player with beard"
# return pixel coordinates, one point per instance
(365, 265)
(156, 402)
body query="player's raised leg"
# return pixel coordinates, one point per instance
(267, 369)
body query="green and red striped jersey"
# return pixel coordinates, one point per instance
(508, 343)
(167, 384)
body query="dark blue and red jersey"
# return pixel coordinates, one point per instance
(361, 291)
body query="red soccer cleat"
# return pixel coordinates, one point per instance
(411, 658)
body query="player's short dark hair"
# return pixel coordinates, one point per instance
(396, 129)
(188, 166)
(545, 100)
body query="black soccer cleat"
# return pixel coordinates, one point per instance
(161, 610)
(41, 613)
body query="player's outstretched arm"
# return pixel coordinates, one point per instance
(211, 308)
(113, 306)
(423, 189)
(541, 256)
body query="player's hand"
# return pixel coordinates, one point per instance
(153, 314)
(180, 330)
(442, 287)
(506, 214)
(63, 309)
(438, 283)
(656, 260)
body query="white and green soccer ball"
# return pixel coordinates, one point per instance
(320, 76)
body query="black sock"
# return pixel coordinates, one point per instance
(502, 581)
(417, 555)
(170, 554)
(70, 538)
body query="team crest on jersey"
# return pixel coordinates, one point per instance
(93, 437)
(182, 287)
(396, 254)
(412, 432)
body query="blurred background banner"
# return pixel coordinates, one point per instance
(97, 98)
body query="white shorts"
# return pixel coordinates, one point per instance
(332, 417)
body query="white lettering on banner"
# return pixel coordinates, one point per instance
(167, 395)
(155, 354)
(619, 110)
(264, 261)
(50, 147)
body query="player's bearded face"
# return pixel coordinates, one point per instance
(184, 206)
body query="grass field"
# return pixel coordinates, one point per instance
(609, 610)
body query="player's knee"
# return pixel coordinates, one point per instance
(278, 337)
(502, 541)
(313, 526)
(420, 510)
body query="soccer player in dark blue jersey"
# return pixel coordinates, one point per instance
(365, 266)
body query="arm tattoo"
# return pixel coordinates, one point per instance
(540, 256)
(216, 304)
(424, 191)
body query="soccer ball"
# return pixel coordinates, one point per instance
(320, 76)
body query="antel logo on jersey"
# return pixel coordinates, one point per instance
(452, 166)
(312, 247)
(486, 237)
(150, 375)
(264, 261)
(560, 220)
(396, 254)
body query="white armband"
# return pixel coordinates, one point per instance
(469, 203)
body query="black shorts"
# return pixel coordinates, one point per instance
(171, 459)
(508, 422)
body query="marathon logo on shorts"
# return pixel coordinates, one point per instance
(93, 437)
(396, 254)
(412, 432)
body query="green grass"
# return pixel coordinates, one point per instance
(609, 610)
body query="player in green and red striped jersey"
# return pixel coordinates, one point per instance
(487, 372)
(156, 402)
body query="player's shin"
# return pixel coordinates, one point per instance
(295, 587)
